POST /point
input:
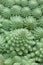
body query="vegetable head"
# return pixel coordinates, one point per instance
(37, 12)
(33, 3)
(6, 13)
(16, 22)
(20, 40)
(16, 10)
(30, 22)
(25, 11)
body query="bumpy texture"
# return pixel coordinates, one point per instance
(21, 32)
(20, 41)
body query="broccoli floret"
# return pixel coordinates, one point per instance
(24, 3)
(38, 33)
(25, 11)
(6, 13)
(33, 3)
(37, 12)
(20, 40)
(30, 22)
(16, 22)
(39, 52)
(6, 24)
(8, 3)
(16, 10)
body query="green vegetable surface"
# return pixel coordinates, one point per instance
(21, 32)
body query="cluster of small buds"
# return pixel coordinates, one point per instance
(20, 40)
(30, 22)
(16, 22)
(21, 32)
(39, 52)
(38, 32)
